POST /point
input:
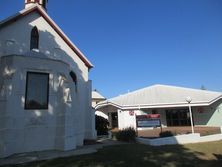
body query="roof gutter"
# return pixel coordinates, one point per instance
(144, 106)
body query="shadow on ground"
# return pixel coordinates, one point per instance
(137, 155)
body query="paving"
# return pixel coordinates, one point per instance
(45, 155)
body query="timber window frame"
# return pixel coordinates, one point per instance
(37, 91)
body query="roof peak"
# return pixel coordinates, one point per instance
(164, 95)
(97, 95)
(165, 86)
(181, 87)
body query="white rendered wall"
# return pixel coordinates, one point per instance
(97, 112)
(126, 120)
(90, 132)
(15, 39)
(210, 116)
(22, 130)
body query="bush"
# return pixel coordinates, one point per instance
(166, 134)
(127, 135)
(101, 125)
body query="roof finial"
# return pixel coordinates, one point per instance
(42, 3)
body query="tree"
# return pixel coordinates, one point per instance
(203, 87)
(101, 125)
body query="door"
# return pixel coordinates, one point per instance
(114, 119)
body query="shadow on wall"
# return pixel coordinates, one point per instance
(47, 46)
(54, 51)
(42, 117)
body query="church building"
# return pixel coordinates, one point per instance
(45, 92)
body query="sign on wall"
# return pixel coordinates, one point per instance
(131, 113)
(149, 120)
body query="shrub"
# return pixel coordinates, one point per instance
(127, 135)
(101, 125)
(166, 134)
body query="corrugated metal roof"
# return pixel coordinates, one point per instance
(97, 95)
(158, 95)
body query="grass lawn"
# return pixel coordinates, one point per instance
(137, 155)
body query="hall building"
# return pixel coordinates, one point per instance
(170, 102)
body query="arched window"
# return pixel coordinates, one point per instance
(34, 42)
(73, 76)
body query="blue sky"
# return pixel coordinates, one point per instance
(138, 43)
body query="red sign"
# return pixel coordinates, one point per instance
(131, 113)
(153, 116)
(150, 116)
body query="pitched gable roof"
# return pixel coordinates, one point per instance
(41, 12)
(97, 95)
(164, 95)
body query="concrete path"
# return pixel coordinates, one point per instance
(45, 155)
